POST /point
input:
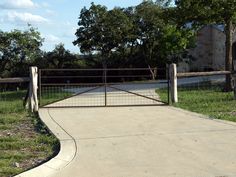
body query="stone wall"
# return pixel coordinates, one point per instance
(209, 52)
(218, 42)
(203, 52)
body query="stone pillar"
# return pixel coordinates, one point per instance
(33, 87)
(173, 83)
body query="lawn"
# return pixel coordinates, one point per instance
(211, 101)
(24, 140)
(52, 94)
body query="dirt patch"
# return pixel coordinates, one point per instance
(233, 113)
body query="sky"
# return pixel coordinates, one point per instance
(56, 20)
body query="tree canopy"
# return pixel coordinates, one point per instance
(150, 34)
(18, 48)
(59, 57)
(140, 32)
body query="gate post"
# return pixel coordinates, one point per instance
(105, 80)
(173, 83)
(33, 87)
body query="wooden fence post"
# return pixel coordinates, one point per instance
(33, 87)
(173, 83)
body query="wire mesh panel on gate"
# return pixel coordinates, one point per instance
(101, 87)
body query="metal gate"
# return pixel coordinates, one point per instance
(59, 88)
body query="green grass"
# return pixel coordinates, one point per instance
(12, 101)
(212, 102)
(24, 140)
(53, 94)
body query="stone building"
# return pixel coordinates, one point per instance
(209, 52)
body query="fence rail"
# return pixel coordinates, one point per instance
(212, 73)
(198, 80)
(102, 69)
(14, 80)
(19, 85)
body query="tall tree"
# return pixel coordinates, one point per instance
(159, 37)
(139, 33)
(149, 25)
(203, 12)
(101, 31)
(90, 27)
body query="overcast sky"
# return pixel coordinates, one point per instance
(56, 20)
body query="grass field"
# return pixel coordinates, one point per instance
(52, 94)
(208, 101)
(24, 140)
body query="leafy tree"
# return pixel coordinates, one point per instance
(117, 30)
(175, 43)
(159, 37)
(18, 50)
(164, 3)
(59, 58)
(89, 32)
(149, 25)
(203, 12)
(133, 36)
(101, 31)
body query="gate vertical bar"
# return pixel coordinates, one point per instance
(168, 84)
(105, 80)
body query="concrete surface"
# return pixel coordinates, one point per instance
(158, 141)
(115, 97)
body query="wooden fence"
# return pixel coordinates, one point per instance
(31, 98)
(174, 75)
(14, 80)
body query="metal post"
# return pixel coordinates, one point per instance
(234, 83)
(168, 83)
(105, 80)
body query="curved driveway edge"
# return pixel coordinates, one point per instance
(139, 142)
(147, 142)
(68, 149)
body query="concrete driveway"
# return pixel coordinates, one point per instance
(154, 141)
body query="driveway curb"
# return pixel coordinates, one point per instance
(68, 149)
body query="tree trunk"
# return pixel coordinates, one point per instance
(152, 72)
(228, 55)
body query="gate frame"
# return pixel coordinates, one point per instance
(105, 85)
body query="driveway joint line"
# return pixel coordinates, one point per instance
(76, 147)
(152, 134)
